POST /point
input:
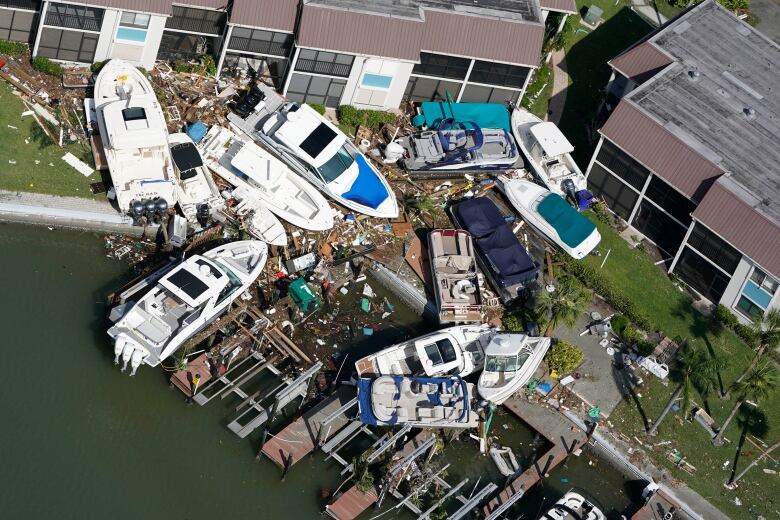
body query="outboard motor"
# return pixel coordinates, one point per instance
(149, 208)
(135, 361)
(161, 205)
(136, 209)
(569, 189)
(202, 215)
(127, 352)
(118, 346)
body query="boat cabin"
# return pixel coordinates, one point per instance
(134, 123)
(438, 355)
(507, 353)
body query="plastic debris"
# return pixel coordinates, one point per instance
(368, 331)
(368, 291)
(11, 161)
(365, 304)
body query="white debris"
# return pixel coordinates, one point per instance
(27, 113)
(83, 168)
(368, 291)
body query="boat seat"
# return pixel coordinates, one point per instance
(425, 413)
(439, 412)
(464, 245)
(452, 139)
(427, 146)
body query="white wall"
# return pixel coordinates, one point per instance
(734, 289)
(142, 55)
(377, 99)
(106, 38)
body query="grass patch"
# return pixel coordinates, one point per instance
(537, 95)
(666, 8)
(23, 141)
(670, 310)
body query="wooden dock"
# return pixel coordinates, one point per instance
(183, 379)
(351, 504)
(302, 436)
(565, 436)
(658, 507)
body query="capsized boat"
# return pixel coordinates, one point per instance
(183, 302)
(258, 219)
(423, 402)
(244, 164)
(573, 506)
(135, 139)
(510, 362)
(502, 258)
(197, 193)
(327, 158)
(551, 216)
(454, 271)
(458, 145)
(457, 350)
(548, 154)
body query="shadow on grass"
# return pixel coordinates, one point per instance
(752, 421)
(625, 380)
(589, 73)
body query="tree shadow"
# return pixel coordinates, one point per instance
(39, 137)
(626, 381)
(752, 421)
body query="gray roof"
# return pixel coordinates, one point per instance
(518, 10)
(720, 98)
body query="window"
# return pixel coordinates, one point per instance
(441, 352)
(132, 27)
(442, 66)
(767, 283)
(336, 165)
(715, 248)
(749, 309)
(482, 94)
(504, 363)
(318, 140)
(618, 196)
(134, 114)
(701, 275)
(181, 46)
(137, 20)
(378, 81)
(188, 283)
(501, 74)
(622, 165)
(196, 20)
(261, 41)
(17, 26)
(316, 89)
(322, 62)
(659, 227)
(675, 203)
(32, 5)
(67, 45)
(74, 17)
(427, 89)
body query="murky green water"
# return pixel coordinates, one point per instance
(78, 439)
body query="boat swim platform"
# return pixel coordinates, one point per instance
(313, 428)
(565, 436)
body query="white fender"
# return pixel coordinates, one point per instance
(135, 361)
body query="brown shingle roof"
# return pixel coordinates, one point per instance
(736, 221)
(268, 14)
(660, 151)
(562, 6)
(144, 6)
(641, 62)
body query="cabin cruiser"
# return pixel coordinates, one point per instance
(551, 216)
(510, 362)
(455, 350)
(454, 271)
(457, 145)
(548, 153)
(502, 258)
(135, 139)
(423, 402)
(183, 302)
(198, 194)
(573, 506)
(244, 164)
(320, 152)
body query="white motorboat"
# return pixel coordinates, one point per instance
(457, 350)
(196, 186)
(548, 153)
(505, 460)
(258, 219)
(454, 271)
(244, 164)
(573, 506)
(184, 301)
(510, 362)
(551, 216)
(135, 139)
(418, 401)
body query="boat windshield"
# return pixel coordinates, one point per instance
(505, 363)
(441, 352)
(336, 165)
(234, 282)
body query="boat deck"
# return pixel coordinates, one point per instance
(564, 434)
(299, 438)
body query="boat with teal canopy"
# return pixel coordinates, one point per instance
(572, 227)
(486, 115)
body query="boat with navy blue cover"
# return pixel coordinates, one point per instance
(551, 216)
(458, 145)
(505, 262)
(425, 402)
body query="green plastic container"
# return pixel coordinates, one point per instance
(303, 296)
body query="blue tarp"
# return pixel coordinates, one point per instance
(486, 115)
(368, 188)
(197, 131)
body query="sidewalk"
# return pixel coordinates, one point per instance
(560, 84)
(648, 12)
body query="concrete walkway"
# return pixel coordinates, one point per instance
(647, 9)
(560, 85)
(36, 208)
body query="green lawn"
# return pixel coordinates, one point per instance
(666, 9)
(23, 141)
(670, 310)
(538, 93)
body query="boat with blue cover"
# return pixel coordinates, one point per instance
(551, 216)
(425, 402)
(504, 261)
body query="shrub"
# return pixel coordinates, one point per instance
(631, 335)
(354, 117)
(12, 48)
(376, 118)
(563, 357)
(645, 348)
(602, 212)
(599, 284)
(208, 64)
(318, 107)
(727, 318)
(517, 319)
(95, 67)
(46, 66)
(619, 324)
(349, 116)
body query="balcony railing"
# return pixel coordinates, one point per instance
(198, 25)
(69, 21)
(328, 68)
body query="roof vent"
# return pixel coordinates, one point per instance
(723, 93)
(749, 112)
(694, 74)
